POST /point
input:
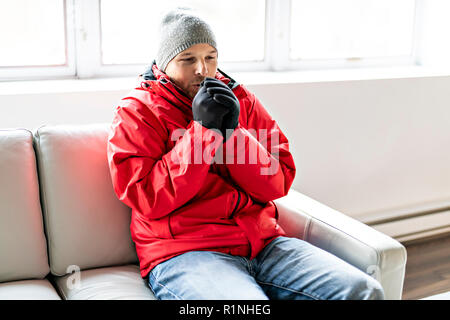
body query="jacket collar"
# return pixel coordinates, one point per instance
(157, 81)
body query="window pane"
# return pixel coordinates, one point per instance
(329, 29)
(32, 33)
(129, 28)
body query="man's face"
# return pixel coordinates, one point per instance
(191, 66)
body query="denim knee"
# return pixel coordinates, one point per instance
(376, 291)
(366, 288)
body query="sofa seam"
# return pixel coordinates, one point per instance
(41, 178)
(39, 197)
(58, 289)
(306, 230)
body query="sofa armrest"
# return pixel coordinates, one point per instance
(367, 249)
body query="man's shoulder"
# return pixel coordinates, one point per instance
(246, 98)
(141, 105)
(239, 90)
(142, 100)
(242, 92)
(146, 105)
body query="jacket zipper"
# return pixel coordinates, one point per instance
(232, 84)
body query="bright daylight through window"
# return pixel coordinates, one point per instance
(328, 29)
(133, 37)
(32, 33)
(44, 39)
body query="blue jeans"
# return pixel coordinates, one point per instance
(287, 268)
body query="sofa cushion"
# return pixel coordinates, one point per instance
(112, 283)
(23, 249)
(28, 290)
(87, 226)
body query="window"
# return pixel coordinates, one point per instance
(327, 29)
(129, 29)
(33, 37)
(39, 33)
(95, 38)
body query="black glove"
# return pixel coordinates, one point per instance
(207, 110)
(223, 95)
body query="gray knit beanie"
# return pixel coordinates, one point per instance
(180, 29)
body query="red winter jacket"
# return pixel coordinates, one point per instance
(180, 205)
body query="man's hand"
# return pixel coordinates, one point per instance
(223, 95)
(207, 109)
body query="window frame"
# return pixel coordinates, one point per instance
(67, 70)
(108, 70)
(84, 56)
(360, 62)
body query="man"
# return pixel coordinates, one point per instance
(199, 160)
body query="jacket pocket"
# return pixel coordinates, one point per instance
(161, 228)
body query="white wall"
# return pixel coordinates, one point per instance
(360, 146)
(33, 110)
(367, 146)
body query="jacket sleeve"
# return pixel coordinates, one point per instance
(259, 160)
(145, 176)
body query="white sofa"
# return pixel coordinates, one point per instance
(65, 235)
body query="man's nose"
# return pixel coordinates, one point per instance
(201, 68)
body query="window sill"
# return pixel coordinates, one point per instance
(247, 78)
(336, 75)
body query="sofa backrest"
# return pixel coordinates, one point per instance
(23, 249)
(86, 225)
